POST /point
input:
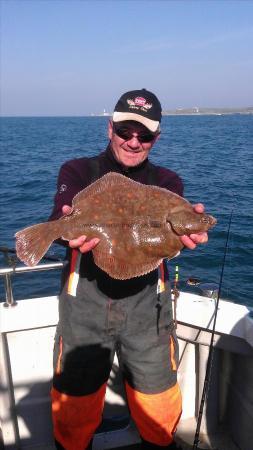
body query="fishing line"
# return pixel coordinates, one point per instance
(211, 348)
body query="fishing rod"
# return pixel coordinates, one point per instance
(176, 294)
(211, 348)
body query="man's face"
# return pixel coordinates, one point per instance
(128, 146)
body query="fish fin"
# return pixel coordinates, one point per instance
(123, 184)
(120, 269)
(100, 185)
(33, 242)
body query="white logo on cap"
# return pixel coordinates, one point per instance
(139, 102)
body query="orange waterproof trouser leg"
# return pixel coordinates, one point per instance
(75, 418)
(156, 415)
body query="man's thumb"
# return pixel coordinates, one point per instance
(66, 209)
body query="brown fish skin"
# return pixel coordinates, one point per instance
(184, 222)
(137, 225)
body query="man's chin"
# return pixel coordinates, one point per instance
(129, 159)
(132, 159)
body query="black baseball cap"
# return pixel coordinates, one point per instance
(141, 106)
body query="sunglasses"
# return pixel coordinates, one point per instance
(127, 134)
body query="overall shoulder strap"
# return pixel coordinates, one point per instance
(152, 174)
(94, 169)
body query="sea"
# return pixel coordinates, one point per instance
(212, 154)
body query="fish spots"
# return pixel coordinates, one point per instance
(130, 220)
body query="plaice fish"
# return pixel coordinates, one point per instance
(138, 226)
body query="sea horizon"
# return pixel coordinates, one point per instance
(179, 111)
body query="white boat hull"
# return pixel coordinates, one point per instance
(26, 344)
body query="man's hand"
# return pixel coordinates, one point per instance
(80, 242)
(194, 239)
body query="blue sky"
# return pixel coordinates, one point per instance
(76, 57)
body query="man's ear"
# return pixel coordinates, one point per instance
(110, 129)
(157, 137)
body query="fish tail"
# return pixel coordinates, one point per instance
(33, 242)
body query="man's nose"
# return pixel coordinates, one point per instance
(134, 142)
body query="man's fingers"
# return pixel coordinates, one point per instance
(78, 242)
(199, 207)
(186, 240)
(200, 238)
(194, 239)
(87, 246)
(83, 245)
(66, 209)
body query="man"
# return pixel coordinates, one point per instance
(99, 315)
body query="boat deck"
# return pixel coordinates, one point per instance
(185, 437)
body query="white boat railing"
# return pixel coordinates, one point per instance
(8, 272)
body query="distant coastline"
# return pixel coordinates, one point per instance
(196, 111)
